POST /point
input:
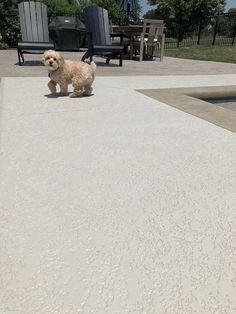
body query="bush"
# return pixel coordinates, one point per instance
(3, 46)
(9, 28)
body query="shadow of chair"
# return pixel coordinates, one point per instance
(99, 39)
(34, 29)
(152, 37)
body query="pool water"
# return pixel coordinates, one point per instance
(229, 103)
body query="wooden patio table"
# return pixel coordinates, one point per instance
(130, 31)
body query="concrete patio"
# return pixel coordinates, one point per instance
(115, 203)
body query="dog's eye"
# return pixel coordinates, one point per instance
(47, 58)
(54, 59)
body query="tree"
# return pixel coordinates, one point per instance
(9, 27)
(232, 11)
(62, 7)
(6, 5)
(184, 15)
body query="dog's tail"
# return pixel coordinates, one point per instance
(93, 65)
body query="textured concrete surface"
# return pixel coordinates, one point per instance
(115, 203)
(169, 66)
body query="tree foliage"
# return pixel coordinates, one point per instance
(61, 7)
(114, 10)
(232, 11)
(6, 5)
(9, 26)
(184, 15)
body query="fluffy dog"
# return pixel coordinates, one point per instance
(64, 72)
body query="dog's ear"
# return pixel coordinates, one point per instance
(43, 58)
(61, 60)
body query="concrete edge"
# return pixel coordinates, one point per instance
(191, 100)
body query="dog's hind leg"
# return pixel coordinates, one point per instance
(88, 90)
(77, 88)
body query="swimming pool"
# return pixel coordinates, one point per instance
(229, 103)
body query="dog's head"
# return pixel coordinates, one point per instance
(52, 60)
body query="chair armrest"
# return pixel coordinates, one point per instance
(89, 38)
(118, 35)
(89, 42)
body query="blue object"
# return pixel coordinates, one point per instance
(127, 5)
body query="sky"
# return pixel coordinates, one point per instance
(146, 7)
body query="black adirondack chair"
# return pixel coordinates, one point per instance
(34, 29)
(99, 43)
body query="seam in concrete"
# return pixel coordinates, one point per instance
(190, 100)
(1, 114)
(1, 101)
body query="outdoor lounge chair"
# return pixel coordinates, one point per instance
(151, 37)
(34, 29)
(99, 43)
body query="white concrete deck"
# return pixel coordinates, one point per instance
(115, 203)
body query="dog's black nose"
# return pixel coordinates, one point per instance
(50, 62)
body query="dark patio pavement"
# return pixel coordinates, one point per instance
(170, 66)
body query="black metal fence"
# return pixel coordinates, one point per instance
(214, 30)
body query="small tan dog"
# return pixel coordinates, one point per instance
(64, 72)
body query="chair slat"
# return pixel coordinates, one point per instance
(27, 18)
(45, 22)
(33, 18)
(106, 28)
(38, 7)
(23, 26)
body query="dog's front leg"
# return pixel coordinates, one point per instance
(52, 86)
(63, 88)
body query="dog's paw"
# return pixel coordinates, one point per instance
(73, 95)
(88, 92)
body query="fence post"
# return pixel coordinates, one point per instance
(234, 34)
(215, 30)
(199, 32)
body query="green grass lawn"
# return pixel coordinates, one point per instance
(210, 53)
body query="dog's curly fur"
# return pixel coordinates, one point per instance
(64, 72)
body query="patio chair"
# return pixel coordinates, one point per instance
(34, 29)
(151, 37)
(98, 27)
